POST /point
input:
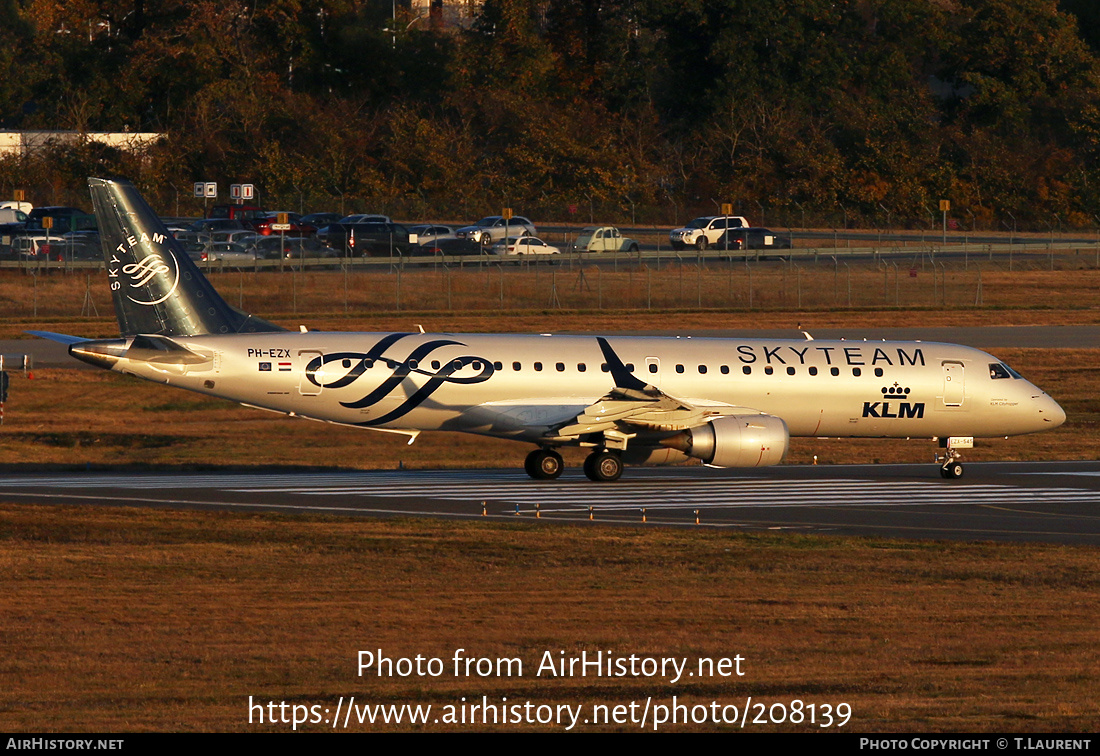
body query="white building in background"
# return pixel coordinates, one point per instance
(444, 14)
(24, 143)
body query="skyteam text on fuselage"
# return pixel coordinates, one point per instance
(634, 400)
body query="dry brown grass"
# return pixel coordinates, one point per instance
(541, 298)
(129, 620)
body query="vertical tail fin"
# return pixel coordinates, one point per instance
(157, 289)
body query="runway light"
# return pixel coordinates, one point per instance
(643, 514)
(696, 516)
(591, 516)
(538, 510)
(484, 512)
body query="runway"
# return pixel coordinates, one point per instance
(1052, 502)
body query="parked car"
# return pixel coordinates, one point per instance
(704, 232)
(65, 219)
(524, 245)
(210, 225)
(494, 228)
(227, 252)
(426, 233)
(23, 207)
(37, 245)
(365, 218)
(244, 213)
(752, 238)
(320, 220)
(603, 239)
(12, 215)
(291, 248)
(366, 239)
(298, 227)
(448, 247)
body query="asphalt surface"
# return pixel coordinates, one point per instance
(1046, 502)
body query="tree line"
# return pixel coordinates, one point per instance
(799, 112)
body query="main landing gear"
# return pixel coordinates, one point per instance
(602, 466)
(544, 464)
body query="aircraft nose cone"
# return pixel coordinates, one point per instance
(1051, 413)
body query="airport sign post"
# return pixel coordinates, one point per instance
(727, 210)
(206, 190)
(945, 205)
(241, 192)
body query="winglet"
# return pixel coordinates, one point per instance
(623, 377)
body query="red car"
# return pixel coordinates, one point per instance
(297, 228)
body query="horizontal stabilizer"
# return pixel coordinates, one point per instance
(60, 338)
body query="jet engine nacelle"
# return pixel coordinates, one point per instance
(735, 441)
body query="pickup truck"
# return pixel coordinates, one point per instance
(603, 239)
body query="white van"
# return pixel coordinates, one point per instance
(12, 215)
(23, 207)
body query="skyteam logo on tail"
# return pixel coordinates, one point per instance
(150, 280)
(905, 408)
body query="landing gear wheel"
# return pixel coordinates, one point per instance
(952, 471)
(603, 466)
(544, 464)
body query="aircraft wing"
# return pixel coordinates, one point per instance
(636, 405)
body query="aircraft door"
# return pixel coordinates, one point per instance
(953, 384)
(307, 387)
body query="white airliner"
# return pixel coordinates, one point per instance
(727, 402)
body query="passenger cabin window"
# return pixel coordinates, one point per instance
(498, 366)
(769, 370)
(516, 366)
(857, 372)
(435, 364)
(653, 367)
(725, 369)
(790, 371)
(679, 368)
(538, 366)
(560, 367)
(813, 371)
(834, 371)
(746, 370)
(581, 367)
(414, 364)
(702, 370)
(878, 372)
(630, 367)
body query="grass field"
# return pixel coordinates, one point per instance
(131, 620)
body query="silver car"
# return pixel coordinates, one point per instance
(494, 228)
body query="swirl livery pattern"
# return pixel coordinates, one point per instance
(317, 373)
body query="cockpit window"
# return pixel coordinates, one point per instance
(997, 370)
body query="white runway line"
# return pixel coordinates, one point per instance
(508, 487)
